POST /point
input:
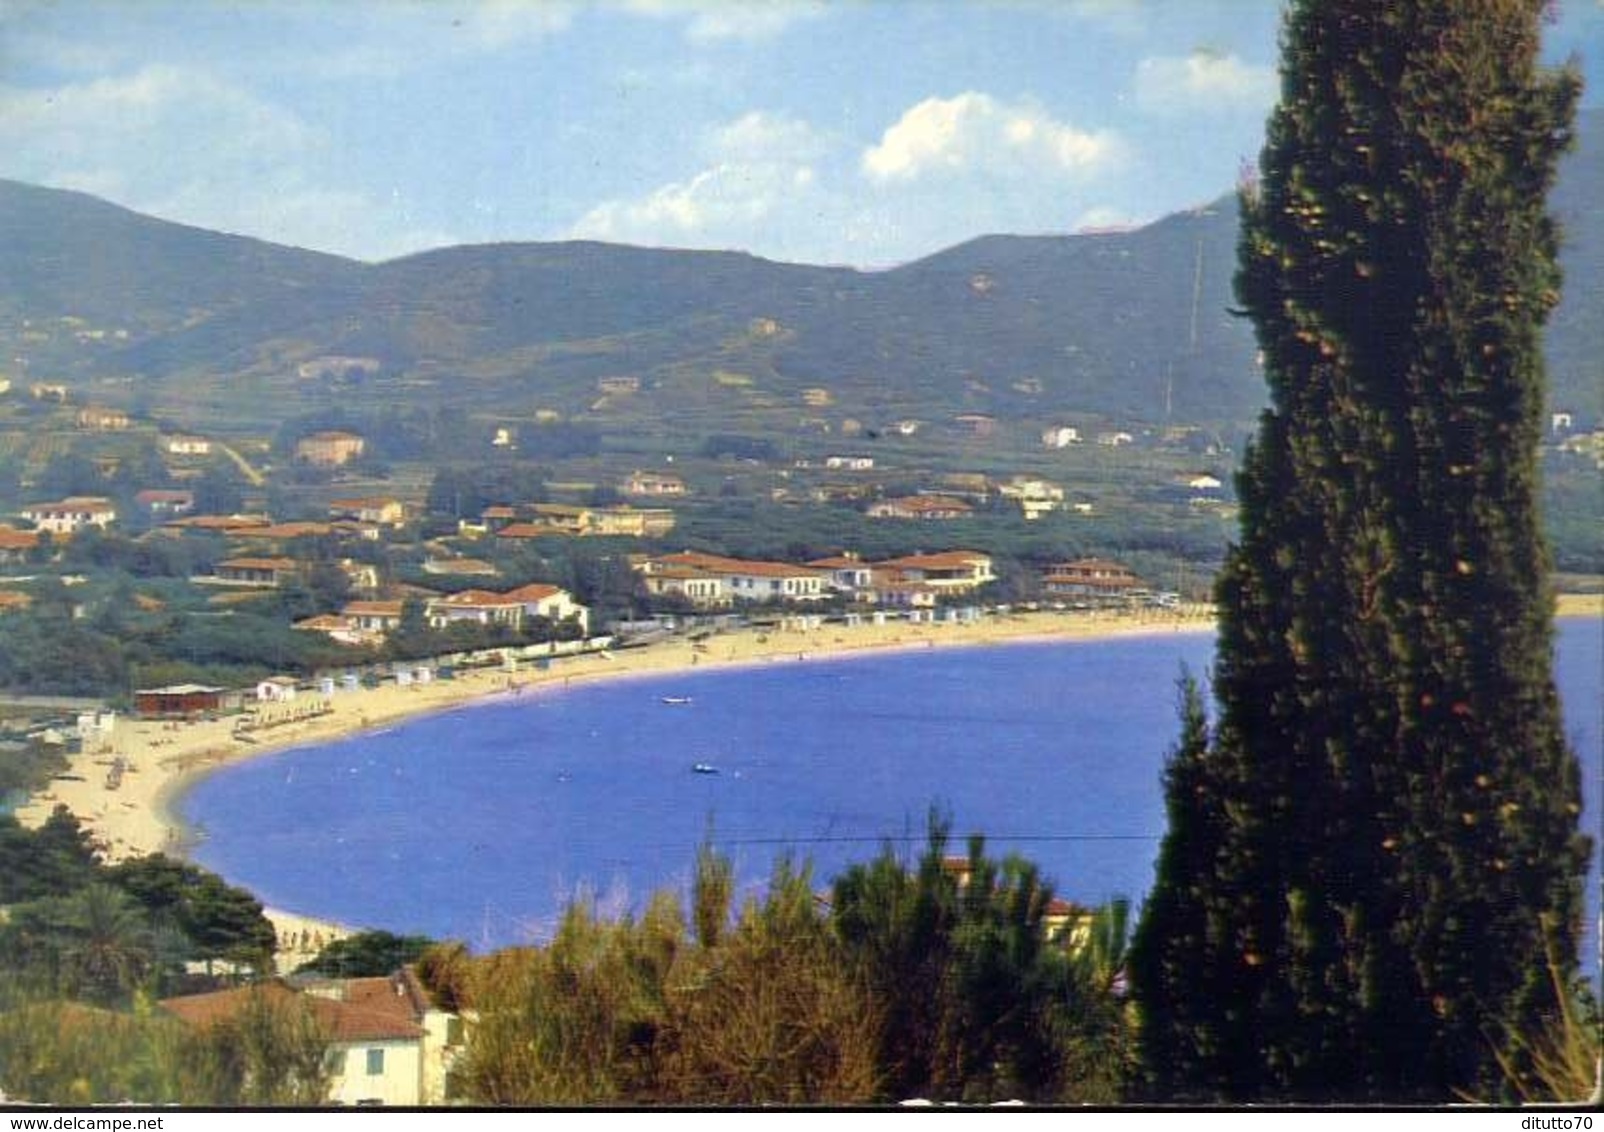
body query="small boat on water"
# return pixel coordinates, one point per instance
(704, 768)
(676, 699)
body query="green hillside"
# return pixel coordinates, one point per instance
(1132, 326)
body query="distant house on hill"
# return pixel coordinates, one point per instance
(71, 514)
(382, 510)
(653, 484)
(337, 365)
(163, 504)
(96, 418)
(248, 571)
(591, 522)
(618, 386)
(330, 449)
(221, 524)
(185, 444)
(1036, 497)
(925, 507)
(15, 544)
(975, 424)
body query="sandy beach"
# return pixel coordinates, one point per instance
(131, 814)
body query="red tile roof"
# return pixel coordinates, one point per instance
(323, 623)
(373, 609)
(473, 599)
(945, 560)
(535, 591)
(258, 564)
(221, 522)
(370, 1017)
(13, 539)
(714, 564)
(525, 530)
(285, 530)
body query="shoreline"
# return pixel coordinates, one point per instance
(164, 759)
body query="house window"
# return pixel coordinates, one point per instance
(375, 1062)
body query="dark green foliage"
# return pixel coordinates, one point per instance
(220, 920)
(976, 1003)
(368, 953)
(99, 933)
(1368, 864)
(54, 859)
(464, 492)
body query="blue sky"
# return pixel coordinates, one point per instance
(864, 132)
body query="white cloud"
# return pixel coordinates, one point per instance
(712, 21)
(394, 39)
(496, 24)
(138, 123)
(758, 136)
(759, 165)
(1103, 218)
(975, 132)
(1203, 81)
(188, 146)
(719, 206)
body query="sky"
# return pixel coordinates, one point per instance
(860, 132)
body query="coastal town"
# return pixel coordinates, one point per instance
(691, 555)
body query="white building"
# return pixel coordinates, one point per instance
(71, 514)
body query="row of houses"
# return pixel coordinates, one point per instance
(367, 621)
(710, 580)
(913, 581)
(542, 520)
(70, 515)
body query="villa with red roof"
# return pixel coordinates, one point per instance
(931, 508)
(486, 607)
(731, 579)
(71, 514)
(388, 1043)
(1098, 578)
(951, 571)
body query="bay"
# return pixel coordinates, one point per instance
(482, 823)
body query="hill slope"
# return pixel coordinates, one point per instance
(1132, 325)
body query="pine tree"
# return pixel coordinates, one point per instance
(1388, 801)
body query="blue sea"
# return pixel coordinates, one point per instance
(482, 823)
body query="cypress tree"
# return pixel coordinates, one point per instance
(1374, 860)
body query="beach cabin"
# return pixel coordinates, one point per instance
(275, 690)
(177, 701)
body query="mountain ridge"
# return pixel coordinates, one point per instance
(1133, 324)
